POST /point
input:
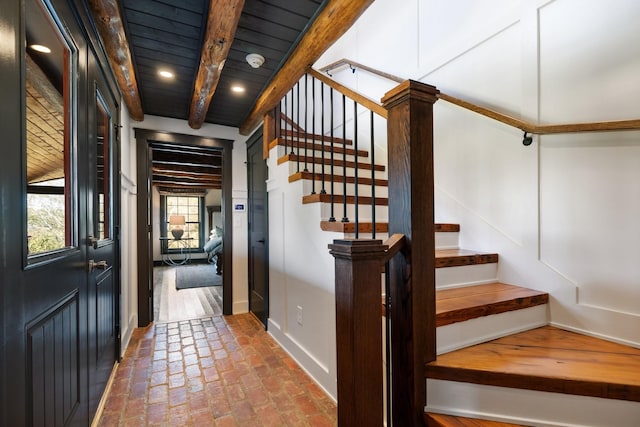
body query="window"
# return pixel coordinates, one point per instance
(183, 213)
(50, 100)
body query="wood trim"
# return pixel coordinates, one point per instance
(106, 15)
(360, 99)
(394, 244)
(222, 23)
(334, 20)
(344, 61)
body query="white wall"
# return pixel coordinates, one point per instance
(563, 212)
(239, 191)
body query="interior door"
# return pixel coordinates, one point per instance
(102, 233)
(43, 253)
(258, 230)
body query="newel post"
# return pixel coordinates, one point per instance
(411, 273)
(359, 331)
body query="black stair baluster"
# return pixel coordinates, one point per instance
(345, 218)
(286, 149)
(332, 218)
(291, 123)
(298, 127)
(306, 117)
(373, 183)
(355, 179)
(313, 132)
(323, 191)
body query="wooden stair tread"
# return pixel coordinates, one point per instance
(336, 178)
(326, 198)
(460, 257)
(470, 302)
(546, 359)
(447, 228)
(338, 149)
(338, 163)
(314, 137)
(441, 420)
(350, 227)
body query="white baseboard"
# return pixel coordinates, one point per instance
(240, 307)
(316, 370)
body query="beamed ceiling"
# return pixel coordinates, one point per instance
(204, 43)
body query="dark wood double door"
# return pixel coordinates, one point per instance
(59, 205)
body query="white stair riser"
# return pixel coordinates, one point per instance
(447, 240)
(468, 275)
(364, 212)
(365, 173)
(318, 153)
(338, 188)
(528, 407)
(464, 334)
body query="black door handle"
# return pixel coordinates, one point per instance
(261, 241)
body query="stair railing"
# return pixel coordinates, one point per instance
(323, 106)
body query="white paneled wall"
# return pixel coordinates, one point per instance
(561, 213)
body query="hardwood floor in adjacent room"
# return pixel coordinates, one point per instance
(172, 305)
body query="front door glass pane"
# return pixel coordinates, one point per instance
(103, 159)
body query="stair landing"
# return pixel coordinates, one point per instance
(546, 359)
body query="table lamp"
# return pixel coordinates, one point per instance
(176, 222)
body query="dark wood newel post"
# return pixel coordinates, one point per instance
(359, 331)
(411, 273)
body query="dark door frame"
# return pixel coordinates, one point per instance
(254, 140)
(145, 235)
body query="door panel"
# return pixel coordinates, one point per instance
(52, 338)
(258, 230)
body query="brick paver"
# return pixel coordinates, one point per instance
(218, 371)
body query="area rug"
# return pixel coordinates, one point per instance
(197, 276)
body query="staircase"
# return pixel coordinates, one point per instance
(499, 362)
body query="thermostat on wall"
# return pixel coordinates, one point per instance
(238, 207)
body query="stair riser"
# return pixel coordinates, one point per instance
(282, 151)
(527, 407)
(467, 275)
(366, 173)
(464, 334)
(442, 240)
(338, 188)
(447, 240)
(364, 212)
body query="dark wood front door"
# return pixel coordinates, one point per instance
(258, 230)
(53, 345)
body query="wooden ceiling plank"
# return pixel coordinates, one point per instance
(334, 20)
(222, 23)
(106, 15)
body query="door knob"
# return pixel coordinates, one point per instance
(261, 241)
(93, 242)
(97, 265)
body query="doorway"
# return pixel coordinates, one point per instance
(147, 175)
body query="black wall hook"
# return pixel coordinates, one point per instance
(526, 140)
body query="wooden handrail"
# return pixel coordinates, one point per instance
(614, 125)
(360, 99)
(394, 244)
(543, 129)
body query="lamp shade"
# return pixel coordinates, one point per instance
(176, 220)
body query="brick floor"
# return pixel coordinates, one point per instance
(218, 371)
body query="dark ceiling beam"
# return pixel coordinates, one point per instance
(164, 170)
(187, 158)
(106, 15)
(334, 20)
(185, 181)
(195, 169)
(221, 29)
(168, 184)
(187, 177)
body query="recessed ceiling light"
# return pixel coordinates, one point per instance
(237, 89)
(40, 48)
(166, 74)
